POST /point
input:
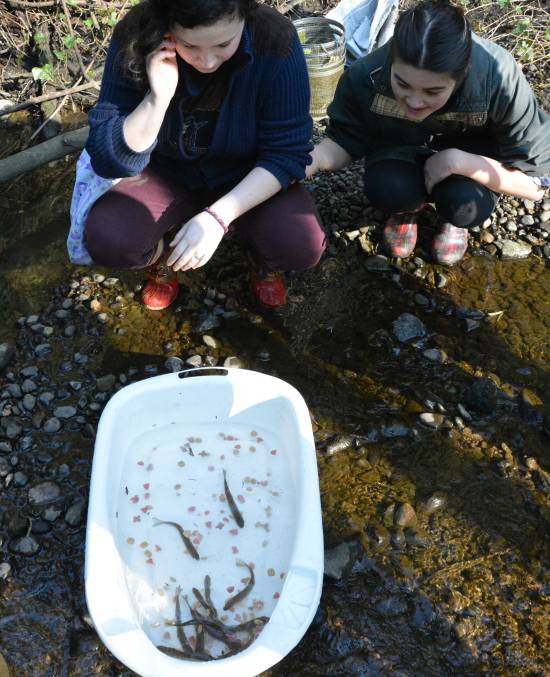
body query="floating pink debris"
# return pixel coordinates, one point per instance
(197, 540)
(158, 548)
(282, 575)
(146, 486)
(222, 498)
(191, 508)
(140, 463)
(276, 595)
(234, 549)
(135, 499)
(147, 509)
(259, 440)
(220, 525)
(240, 498)
(146, 495)
(208, 524)
(233, 532)
(252, 449)
(273, 452)
(230, 588)
(149, 561)
(166, 635)
(237, 446)
(136, 518)
(222, 457)
(150, 467)
(207, 512)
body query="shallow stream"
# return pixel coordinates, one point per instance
(434, 453)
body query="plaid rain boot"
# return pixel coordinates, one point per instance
(399, 236)
(449, 245)
(268, 290)
(162, 288)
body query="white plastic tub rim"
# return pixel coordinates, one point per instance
(109, 602)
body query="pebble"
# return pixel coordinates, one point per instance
(46, 397)
(431, 420)
(64, 412)
(435, 502)
(75, 514)
(5, 570)
(208, 323)
(173, 364)
(26, 545)
(28, 386)
(105, 383)
(51, 425)
(377, 264)
(515, 250)
(211, 342)
(51, 513)
(405, 516)
(44, 493)
(441, 280)
(340, 560)
(29, 372)
(482, 396)
(43, 349)
(395, 430)
(435, 355)
(407, 327)
(194, 361)
(233, 362)
(417, 537)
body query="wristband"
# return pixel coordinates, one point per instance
(213, 214)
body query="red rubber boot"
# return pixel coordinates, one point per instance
(270, 290)
(161, 290)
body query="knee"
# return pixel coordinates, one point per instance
(463, 202)
(395, 186)
(298, 249)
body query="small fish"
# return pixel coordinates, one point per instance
(231, 501)
(244, 592)
(179, 631)
(213, 628)
(184, 655)
(186, 540)
(208, 597)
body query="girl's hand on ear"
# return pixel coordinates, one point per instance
(438, 167)
(162, 70)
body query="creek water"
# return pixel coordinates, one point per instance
(457, 586)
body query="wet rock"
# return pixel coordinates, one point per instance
(26, 545)
(194, 361)
(211, 342)
(16, 524)
(42, 350)
(51, 513)
(392, 606)
(14, 390)
(405, 516)
(20, 479)
(340, 560)
(40, 527)
(208, 323)
(44, 493)
(51, 425)
(105, 383)
(379, 536)
(395, 430)
(64, 412)
(441, 280)
(514, 249)
(174, 364)
(339, 443)
(46, 398)
(7, 351)
(431, 420)
(29, 402)
(377, 264)
(5, 571)
(13, 430)
(75, 514)
(417, 537)
(435, 355)
(5, 467)
(29, 372)
(482, 396)
(437, 501)
(398, 538)
(407, 327)
(233, 362)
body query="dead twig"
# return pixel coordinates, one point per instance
(49, 97)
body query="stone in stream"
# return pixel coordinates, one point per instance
(435, 355)
(482, 396)
(340, 560)
(437, 501)
(5, 570)
(44, 493)
(407, 327)
(29, 402)
(105, 383)
(395, 430)
(75, 514)
(377, 264)
(515, 250)
(431, 420)
(405, 516)
(173, 364)
(26, 546)
(210, 341)
(233, 362)
(64, 412)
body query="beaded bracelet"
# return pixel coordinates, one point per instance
(218, 219)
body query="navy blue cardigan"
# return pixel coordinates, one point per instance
(263, 121)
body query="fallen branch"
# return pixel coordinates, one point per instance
(34, 157)
(49, 97)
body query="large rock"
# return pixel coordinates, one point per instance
(515, 250)
(340, 560)
(44, 493)
(482, 396)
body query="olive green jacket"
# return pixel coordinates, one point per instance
(493, 113)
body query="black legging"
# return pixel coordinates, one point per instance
(396, 186)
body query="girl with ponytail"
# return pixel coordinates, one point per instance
(440, 115)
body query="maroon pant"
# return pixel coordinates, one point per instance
(125, 224)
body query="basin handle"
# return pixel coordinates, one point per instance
(203, 371)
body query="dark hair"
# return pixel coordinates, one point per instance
(434, 36)
(143, 29)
